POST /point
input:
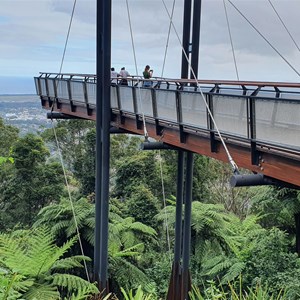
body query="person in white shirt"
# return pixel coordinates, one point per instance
(113, 75)
(124, 74)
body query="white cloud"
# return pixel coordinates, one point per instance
(33, 34)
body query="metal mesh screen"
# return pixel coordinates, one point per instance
(62, 90)
(230, 114)
(43, 86)
(91, 92)
(77, 91)
(278, 122)
(144, 101)
(166, 105)
(113, 97)
(126, 98)
(51, 83)
(193, 110)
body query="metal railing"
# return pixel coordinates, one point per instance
(260, 112)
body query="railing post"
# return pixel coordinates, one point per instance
(252, 125)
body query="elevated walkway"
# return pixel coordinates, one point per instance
(260, 121)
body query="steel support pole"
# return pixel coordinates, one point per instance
(175, 283)
(178, 224)
(106, 118)
(186, 38)
(186, 248)
(99, 71)
(196, 37)
(103, 139)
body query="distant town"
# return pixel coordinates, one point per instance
(24, 112)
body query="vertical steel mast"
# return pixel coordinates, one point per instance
(180, 282)
(103, 62)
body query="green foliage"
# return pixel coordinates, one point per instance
(8, 135)
(137, 295)
(29, 261)
(143, 206)
(277, 207)
(271, 263)
(138, 170)
(121, 146)
(125, 237)
(159, 270)
(228, 264)
(77, 142)
(59, 218)
(6, 159)
(214, 292)
(125, 249)
(28, 184)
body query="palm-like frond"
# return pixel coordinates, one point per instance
(69, 263)
(28, 261)
(126, 273)
(83, 294)
(72, 282)
(39, 291)
(12, 285)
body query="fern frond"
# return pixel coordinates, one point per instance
(72, 282)
(69, 262)
(83, 294)
(45, 292)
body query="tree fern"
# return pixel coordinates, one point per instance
(29, 260)
(42, 291)
(69, 263)
(72, 282)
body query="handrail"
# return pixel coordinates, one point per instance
(186, 81)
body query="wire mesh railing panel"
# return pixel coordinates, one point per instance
(77, 91)
(144, 101)
(91, 92)
(62, 89)
(114, 97)
(43, 86)
(50, 83)
(278, 122)
(126, 98)
(37, 88)
(193, 110)
(166, 105)
(230, 114)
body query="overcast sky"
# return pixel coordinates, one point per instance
(33, 34)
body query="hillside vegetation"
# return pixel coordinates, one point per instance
(244, 241)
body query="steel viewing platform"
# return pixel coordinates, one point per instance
(260, 121)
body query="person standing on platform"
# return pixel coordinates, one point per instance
(124, 74)
(114, 75)
(147, 75)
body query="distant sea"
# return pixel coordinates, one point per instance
(24, 112)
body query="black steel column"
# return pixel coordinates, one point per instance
(99, 65)
(196, 37)
(103, 138)
(187, 15)
(179, 202)
(186, 281)
(175, 283)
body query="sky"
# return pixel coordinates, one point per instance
(33, 34)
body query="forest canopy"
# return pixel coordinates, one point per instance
(244, 239)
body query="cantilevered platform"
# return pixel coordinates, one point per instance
(260, 121)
